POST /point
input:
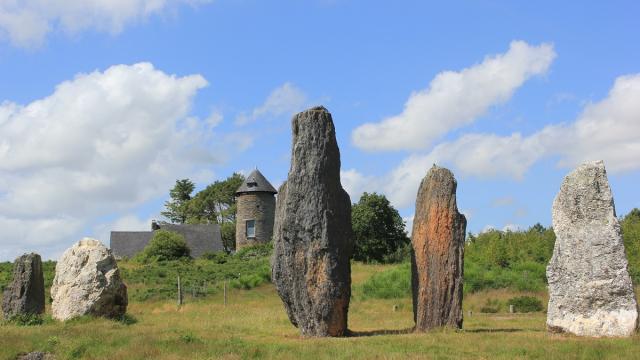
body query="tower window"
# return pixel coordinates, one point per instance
(251, 228)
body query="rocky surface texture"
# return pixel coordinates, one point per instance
(88, 282)
(590, 291)
(36, 355)
(25, 294)
(312, 232)
(438, 244)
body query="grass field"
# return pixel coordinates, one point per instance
(254, 325)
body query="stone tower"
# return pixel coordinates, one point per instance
(256, 206)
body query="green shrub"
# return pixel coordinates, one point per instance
(252, 280)
(400, 255)
(165, 245)
(26, 320)
(491, 306)
(255, 251)
(219, 257)
(525, 304)
(394, 283)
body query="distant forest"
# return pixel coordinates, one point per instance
(495, 259)
(518, 259)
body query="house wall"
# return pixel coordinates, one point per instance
(258, 206)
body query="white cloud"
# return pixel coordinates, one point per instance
(511, 227)
(408, 223)
(487, 228)
(607, 130)
(286, 99)
(214, 119)
(355, 184)
(454, 99)
(27, 22)
(503, 201)
(129, 222)
(102, 143)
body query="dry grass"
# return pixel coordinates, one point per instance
(254, 325)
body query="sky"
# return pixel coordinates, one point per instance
(104, 104)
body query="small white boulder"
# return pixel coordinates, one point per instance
(88, 282)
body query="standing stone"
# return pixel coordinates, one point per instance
(88, 282)
(438, 246)
(25, 294)
(312, 232)
(590, 291)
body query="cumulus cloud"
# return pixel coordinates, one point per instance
(101, 143)
(26, 23)
(129, 222)
(503, 201)
(454, 99)
(355, 183)
(286, 99)
(608, 130)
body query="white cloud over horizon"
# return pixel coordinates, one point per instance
(606, 130)
(455, 99)
(26, 23)
(286, 99)
(102, 143)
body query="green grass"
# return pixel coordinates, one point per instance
(254, 325)
(199, 278)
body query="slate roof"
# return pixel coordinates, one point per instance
(129, 243)
(256, 182)
(200, 238)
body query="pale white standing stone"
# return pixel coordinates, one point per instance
(88, 282)
(590, 291)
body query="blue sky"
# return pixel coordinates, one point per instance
(103, 105)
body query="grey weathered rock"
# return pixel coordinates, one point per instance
(25, 294)
(36, 355)
(438, 244)
(590, 291)
(88, 282)
(312, 232)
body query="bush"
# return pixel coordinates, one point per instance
(394, 283)
(26, 320)
(219, 257)
(255, 251)
(165, 245)
(512, 259)
(491, 306)
(525, 304)
(258, 276)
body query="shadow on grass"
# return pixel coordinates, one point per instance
(379, 332)
(498, 330)
(411, 331)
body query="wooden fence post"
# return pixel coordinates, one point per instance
(225, 292)
(179, 292)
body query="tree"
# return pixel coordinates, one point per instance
(630, 225)
(166, 245)
(378, 229)
(178, 208)
(216, 204)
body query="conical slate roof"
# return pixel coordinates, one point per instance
(256, 182)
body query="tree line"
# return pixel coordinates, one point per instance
(493, 259)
